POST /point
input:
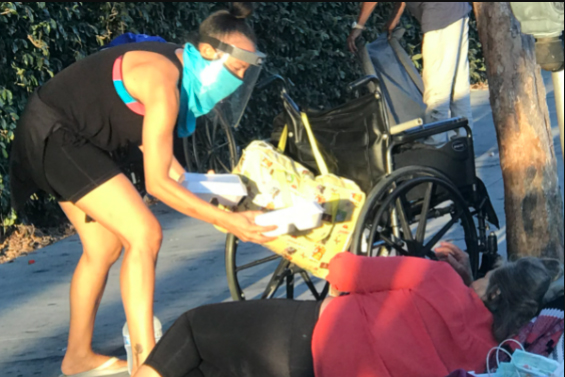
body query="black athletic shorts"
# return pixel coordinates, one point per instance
(73, 169)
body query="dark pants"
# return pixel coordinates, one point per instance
(268, 338)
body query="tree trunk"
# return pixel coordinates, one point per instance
(533, 203)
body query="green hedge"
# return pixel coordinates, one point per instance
(305, 42)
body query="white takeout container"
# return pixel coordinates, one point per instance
(227, 189)
(306, 216)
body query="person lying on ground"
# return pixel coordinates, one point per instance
(401, 317)
(134, 94)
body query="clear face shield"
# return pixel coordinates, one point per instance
(243, 70)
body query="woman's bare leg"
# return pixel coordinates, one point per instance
(146, 371)
(117, 206)
(101, 249)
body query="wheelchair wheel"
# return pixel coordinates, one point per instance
(410, 211)
(254, 272)
(211, 147)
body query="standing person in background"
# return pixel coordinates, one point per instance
(445, 48)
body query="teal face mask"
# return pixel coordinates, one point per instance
(205, 83)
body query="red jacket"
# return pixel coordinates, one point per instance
(405, 317)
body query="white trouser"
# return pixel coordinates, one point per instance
(447, 87)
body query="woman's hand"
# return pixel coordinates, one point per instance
(243, 226)
(458, 259)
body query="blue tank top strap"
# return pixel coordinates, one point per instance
(128, 100)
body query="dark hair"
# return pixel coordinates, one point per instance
(516, 292)
(224, 22)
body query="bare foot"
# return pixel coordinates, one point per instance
(75, 365)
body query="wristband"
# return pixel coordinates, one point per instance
(358, 26)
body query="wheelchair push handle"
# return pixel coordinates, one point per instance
(369, 81)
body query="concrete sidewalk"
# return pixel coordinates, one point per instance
(34, 304)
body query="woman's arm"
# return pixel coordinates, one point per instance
(154, 84)
(158, 127)
(355, 274)
(176, 171)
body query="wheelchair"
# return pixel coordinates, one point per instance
(417, 194)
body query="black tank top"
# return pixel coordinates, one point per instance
(85, 95)
(83, 101)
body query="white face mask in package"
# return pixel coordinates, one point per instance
(525, 364)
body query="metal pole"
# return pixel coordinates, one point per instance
(559, 102)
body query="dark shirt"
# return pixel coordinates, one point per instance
(84, 93)
(437, 16)
(82, 99)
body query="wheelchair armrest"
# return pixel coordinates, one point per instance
(407, 126)
(363, 81)
(432, 129)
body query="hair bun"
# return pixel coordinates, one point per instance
(241, 10)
